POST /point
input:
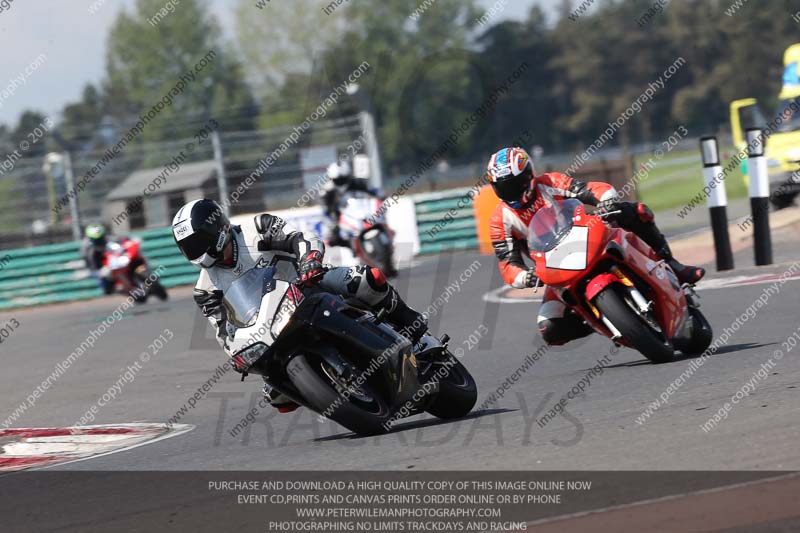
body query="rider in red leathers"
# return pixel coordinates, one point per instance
(513, 179)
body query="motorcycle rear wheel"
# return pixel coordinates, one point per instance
(457, 393)
(158, 290)
(152, 287)
(613, 305)
(319, 389)
(702, 334)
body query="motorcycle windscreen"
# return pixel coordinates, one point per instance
(551, 225)
(243, 298)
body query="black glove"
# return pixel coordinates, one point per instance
(607, 206)
(531, 280)
(310, 267)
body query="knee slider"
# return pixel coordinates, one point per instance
(552, 333)
(376, 279)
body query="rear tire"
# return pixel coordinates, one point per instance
(457, 393)
(702, 334)
(309, 377)
(154, 288)
(158, 290)
(611, 303)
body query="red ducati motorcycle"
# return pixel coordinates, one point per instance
(127, 267)
(616, 282)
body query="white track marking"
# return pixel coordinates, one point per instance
(72, 448)
(496, 295)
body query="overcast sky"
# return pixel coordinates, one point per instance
(73, 43)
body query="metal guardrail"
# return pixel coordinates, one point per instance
(56, 273)
(436, 234)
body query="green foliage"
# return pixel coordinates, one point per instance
(28, 122)
(145, 61)
(81, 119)
(429, 73)
(432, 64)
(422, 78)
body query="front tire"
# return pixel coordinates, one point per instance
(613, 305)
(319, 390)
(457, 392)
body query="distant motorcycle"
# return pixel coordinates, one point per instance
(125, 265)
(616, 282)
(341, 361)
(364, 227)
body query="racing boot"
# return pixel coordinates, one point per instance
(686, 273)
(277, 400)
(559, 331)
(643, 224)
(410, 323)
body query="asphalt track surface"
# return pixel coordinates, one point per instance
(597, 432)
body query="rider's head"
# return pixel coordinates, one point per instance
(96, 234)
(201, 231)
(340, 173)
(511, 174)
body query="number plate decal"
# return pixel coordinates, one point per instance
(571, 253)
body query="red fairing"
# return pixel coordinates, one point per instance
(627, 261)
(598, 236)
(132, 247)
(599, 283)
(508, 227)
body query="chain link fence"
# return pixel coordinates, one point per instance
(143, 185)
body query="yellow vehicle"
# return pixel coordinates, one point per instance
(783, 146)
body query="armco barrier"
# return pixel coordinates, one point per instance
(438, 233)
(56, 273)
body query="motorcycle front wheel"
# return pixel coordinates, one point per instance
(357, 408)
(614, 304)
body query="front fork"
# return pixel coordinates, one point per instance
(644, 306)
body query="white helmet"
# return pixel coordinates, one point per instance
(339, 173)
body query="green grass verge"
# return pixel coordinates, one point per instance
(674, 182)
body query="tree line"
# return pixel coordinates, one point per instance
(431, 70)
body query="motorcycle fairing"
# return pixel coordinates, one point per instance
(636, 257)
(636, 262)
(327, 326)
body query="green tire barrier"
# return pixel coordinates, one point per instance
(440, 233)
(55, 273)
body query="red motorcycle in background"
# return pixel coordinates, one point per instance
(616, 282)
(125, 265)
